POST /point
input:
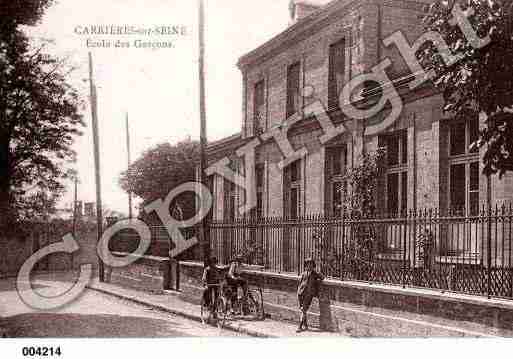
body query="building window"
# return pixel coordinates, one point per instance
(259, 107)
(230, 200)
(292, 190)
(335, 170)
(259, 174)
(396, 146)
(293, 87)
(337, 58)
(463, 168)
(230, 191)
(210, 186)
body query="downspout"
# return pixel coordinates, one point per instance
(415, 170)
(244, 129)
(267, 87)
(380, 31)
(303, 60)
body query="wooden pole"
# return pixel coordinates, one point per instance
(96, 144)
(130, 214)
(75, 207)
(74, 219)
(203, 238)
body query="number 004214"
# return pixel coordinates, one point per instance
(41, 351)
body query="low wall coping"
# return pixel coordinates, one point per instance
(151, 258)
(412, 292)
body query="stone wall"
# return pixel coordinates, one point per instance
(364, 310)
(87, 253)
(147, 273)
(15, 251)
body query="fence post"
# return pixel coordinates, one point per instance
(510, 254)
(404, 250)
(300, 234)
(489, 252)
(342, 261)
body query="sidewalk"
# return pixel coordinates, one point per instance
(175, 303)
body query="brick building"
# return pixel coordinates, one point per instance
(429, 164)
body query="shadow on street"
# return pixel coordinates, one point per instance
(42, 325)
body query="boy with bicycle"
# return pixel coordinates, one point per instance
(234, 278)
(211, 281)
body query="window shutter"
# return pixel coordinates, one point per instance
(337, 58)
(293, 84)
(259, 107)
(226, 199)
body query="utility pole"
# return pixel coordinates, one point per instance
(204, 242)
(75, 207)
(130, 214)
(75, 200)
(96, 144)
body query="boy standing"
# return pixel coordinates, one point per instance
(308, 288)
(211, 281)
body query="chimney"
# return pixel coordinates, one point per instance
(300, 9)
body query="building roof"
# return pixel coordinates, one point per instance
(318, 3)
(325, 8)
(225, 147)
(219, 143)
(310, 6)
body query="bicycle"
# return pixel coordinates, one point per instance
(250, 306)
(215, 306)
(221, 308)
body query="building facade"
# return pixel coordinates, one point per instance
(429, 162)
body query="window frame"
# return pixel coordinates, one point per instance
(468, 158)
(400, 169)
(334, 181)
(259, 210)
(230, 189)
(333, 86)
(230, 200)
(290, 186)
(259, 117)
(293, 93)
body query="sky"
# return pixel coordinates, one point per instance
(158, 88)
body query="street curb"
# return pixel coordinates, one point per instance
(196, 318)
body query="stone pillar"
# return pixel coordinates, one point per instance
(326, 320)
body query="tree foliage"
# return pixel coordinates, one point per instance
(363, 182)
(480, 85)
(160, 170)
(39, 115)
(23, 12)
(359, 202)
(39, 206)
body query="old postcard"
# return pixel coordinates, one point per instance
(300, 169)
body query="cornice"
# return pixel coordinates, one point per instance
(403, 4)
(303, 29)
(313, 23)
(227, 146)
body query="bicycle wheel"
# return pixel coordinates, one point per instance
(255, 304)
(221, 312)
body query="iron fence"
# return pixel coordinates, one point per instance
(445, 251)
